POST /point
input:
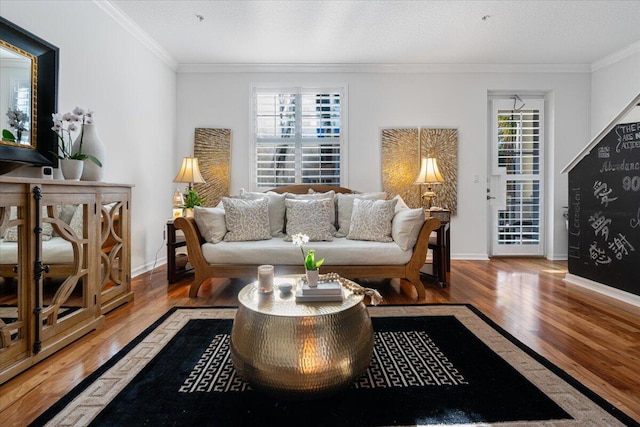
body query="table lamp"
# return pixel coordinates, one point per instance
(429, 175)
(189, 173)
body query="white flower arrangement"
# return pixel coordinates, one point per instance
(77, 115)
(310, 262)
(17, 120)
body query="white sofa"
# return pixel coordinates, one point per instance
(213, 255)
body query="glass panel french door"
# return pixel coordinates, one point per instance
(516, 184)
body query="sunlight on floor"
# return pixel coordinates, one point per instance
(563, 271)
(519, 293)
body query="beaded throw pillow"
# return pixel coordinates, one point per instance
(310, 217)
(345, 208)
(246, 219)
(371, 220)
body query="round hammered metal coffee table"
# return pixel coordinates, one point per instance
(300, 350)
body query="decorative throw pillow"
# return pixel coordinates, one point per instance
(77, 221)
(11, 233)
(371, 220)
(211, 223)
(276, 209)
(246, 219)
(310, 217)
(345, 209)
(401, 203)
(331, 195)
(406, 226)
(65, 214)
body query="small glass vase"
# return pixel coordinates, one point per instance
(312, 277)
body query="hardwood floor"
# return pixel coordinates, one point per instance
(594, 338)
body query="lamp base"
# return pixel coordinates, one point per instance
(427, 197)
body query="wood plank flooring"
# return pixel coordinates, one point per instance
(594, 338)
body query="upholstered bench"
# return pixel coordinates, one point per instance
(360, 235)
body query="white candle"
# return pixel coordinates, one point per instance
(265, 278)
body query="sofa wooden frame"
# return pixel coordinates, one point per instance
(204, 271)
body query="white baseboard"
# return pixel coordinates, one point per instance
(603, 289)
(148, 267)
(557, 257)
(471, 257)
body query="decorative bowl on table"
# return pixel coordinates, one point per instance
(181, 261)
(285, 288)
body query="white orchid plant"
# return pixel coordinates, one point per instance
(77, 115)
(309, 259)
(17, 120)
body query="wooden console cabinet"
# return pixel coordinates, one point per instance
(65, 260)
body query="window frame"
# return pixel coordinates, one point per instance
(298, 89)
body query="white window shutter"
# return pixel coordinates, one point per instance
(298, 137)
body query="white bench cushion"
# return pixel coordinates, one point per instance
(340, 251)
(54, 251)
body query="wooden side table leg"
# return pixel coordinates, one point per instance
(442, 255)
(171, 253)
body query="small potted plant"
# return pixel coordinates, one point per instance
(311, 266)
(191, 199)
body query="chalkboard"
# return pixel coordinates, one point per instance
(604, 211)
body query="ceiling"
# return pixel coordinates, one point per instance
(576, 32)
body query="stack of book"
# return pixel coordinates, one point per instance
(325, 291)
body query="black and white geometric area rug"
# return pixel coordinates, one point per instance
(432, 364)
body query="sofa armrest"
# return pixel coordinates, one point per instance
(194, 242)
(422, 244)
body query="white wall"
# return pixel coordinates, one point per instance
(613, 87)
(378, 100)
(132, 92)
(147, 121)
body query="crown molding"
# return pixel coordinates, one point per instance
(617, 56)
(383, 68)
(136, 31)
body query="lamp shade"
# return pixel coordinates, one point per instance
(189, 171)
(429, 172)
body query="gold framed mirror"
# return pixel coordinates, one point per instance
(18, 73)
(29, 91)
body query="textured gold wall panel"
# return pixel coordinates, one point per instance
(401, 164)
(443, 145)
(212, 147)
(401, 152)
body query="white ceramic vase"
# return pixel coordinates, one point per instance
(91, 144)
(71, 169)
(312, 277)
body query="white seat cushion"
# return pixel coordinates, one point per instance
(54, 251)
(340, 251)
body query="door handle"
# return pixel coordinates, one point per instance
(488, 196)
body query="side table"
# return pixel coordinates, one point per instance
(174, 241)
(440, 246)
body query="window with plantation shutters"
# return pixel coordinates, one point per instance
(298, 136)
